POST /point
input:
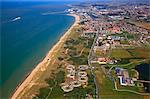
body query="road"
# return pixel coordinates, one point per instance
(89, 63)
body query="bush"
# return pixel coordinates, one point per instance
(50, 82)
(60, 77)
(43, 93)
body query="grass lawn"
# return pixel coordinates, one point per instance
(105, 85)
(140, 52)
(134, 88)
(121, 95)
(120, 53)
(124, 42)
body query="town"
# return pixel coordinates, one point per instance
(122, 41)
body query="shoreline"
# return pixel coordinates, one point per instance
(41, 67)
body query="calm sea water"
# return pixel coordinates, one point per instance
(26, 37)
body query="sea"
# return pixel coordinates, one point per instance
(28, 32)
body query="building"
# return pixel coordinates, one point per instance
(75, 78)
(123, 76)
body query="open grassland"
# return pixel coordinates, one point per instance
(120, 53)
(140, 52)
(53, 89)
(78, 53)
(128, 66)
(134, 53)
(124, 42)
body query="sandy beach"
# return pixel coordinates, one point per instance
(43, 65)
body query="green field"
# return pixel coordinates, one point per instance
(140, 52)
(124, 42)
(135, 53)
(120, 53)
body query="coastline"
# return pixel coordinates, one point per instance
(44, 64)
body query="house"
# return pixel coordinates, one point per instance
(102, 60)
(89, 34)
